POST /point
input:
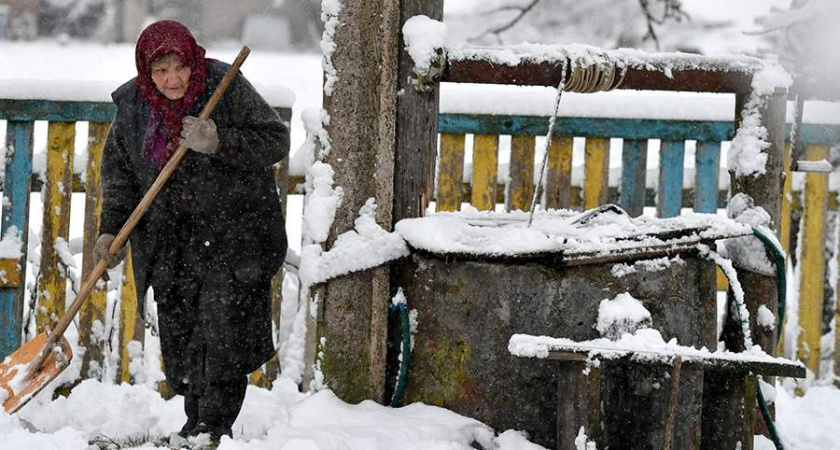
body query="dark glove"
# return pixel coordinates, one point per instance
(200, 135)
(100, 251)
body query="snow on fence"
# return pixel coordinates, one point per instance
(57, 180)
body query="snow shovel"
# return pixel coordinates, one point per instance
(30, 368)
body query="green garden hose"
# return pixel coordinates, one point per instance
(779, 261)
(402, 377)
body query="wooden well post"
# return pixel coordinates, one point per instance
(383, 147)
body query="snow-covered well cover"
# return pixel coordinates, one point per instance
(495, 234)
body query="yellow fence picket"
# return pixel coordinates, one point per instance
(132, 325)
(92, 313)
(485, 171)
(596, 172)
(558, 191)
(811, 290)
(58, 188)
(521, 185)
(450, 172)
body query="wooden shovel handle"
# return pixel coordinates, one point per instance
(146, 202)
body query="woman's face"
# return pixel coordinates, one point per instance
(171, 76)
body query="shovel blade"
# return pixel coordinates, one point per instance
(15, 388)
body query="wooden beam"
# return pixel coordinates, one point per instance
(469, 69)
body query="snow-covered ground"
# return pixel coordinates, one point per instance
(280, 418)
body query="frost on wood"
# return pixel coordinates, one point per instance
(621, 315)
(329, 15)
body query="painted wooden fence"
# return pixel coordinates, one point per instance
(59, 183)
(483, 191)
(813, 204)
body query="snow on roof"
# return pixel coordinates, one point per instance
(574, 235)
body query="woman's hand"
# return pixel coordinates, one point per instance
(200, 135)
(100, 251)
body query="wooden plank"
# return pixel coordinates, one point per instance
(92, 312)
(18, 172)
(586, 127)
(52, 279)
(10, 273)
(74, 111)
(671, 169)
(485, 171)
(596, 166)
(707, 175)
(558, 191)
(475, 67)
(787, 199)
(578, 403)
(723, 416)
(708, 363)
(674, 130)
(633, 171)
(521, 185)
(58, 111)
(416, 124)
(132, 324)
(811, 292)
(450, 172)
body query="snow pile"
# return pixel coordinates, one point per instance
(471, 232)
(582, 55)
(424, 40)
(645, 345)
(748, 252)
(582, 441)
(747, 153)
(765, 318)
(11, 245)
(647, 265)
(277, 419)
(322, 201)
(621, 315)
(330, 10)
(366, 247)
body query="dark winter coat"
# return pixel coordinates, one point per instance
(215, 235)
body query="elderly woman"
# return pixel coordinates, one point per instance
(215, 236)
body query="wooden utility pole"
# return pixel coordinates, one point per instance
(362, 111)
(383, 138)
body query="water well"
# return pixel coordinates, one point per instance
(476, 279)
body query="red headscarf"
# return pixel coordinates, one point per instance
(159, 39)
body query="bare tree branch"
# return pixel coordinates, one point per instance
(672, 11)
(523, 11)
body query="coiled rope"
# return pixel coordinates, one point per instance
(601, 75)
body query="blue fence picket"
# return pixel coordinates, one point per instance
(633, 171)
(707, 163)
(669, 197)
(16, 188)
